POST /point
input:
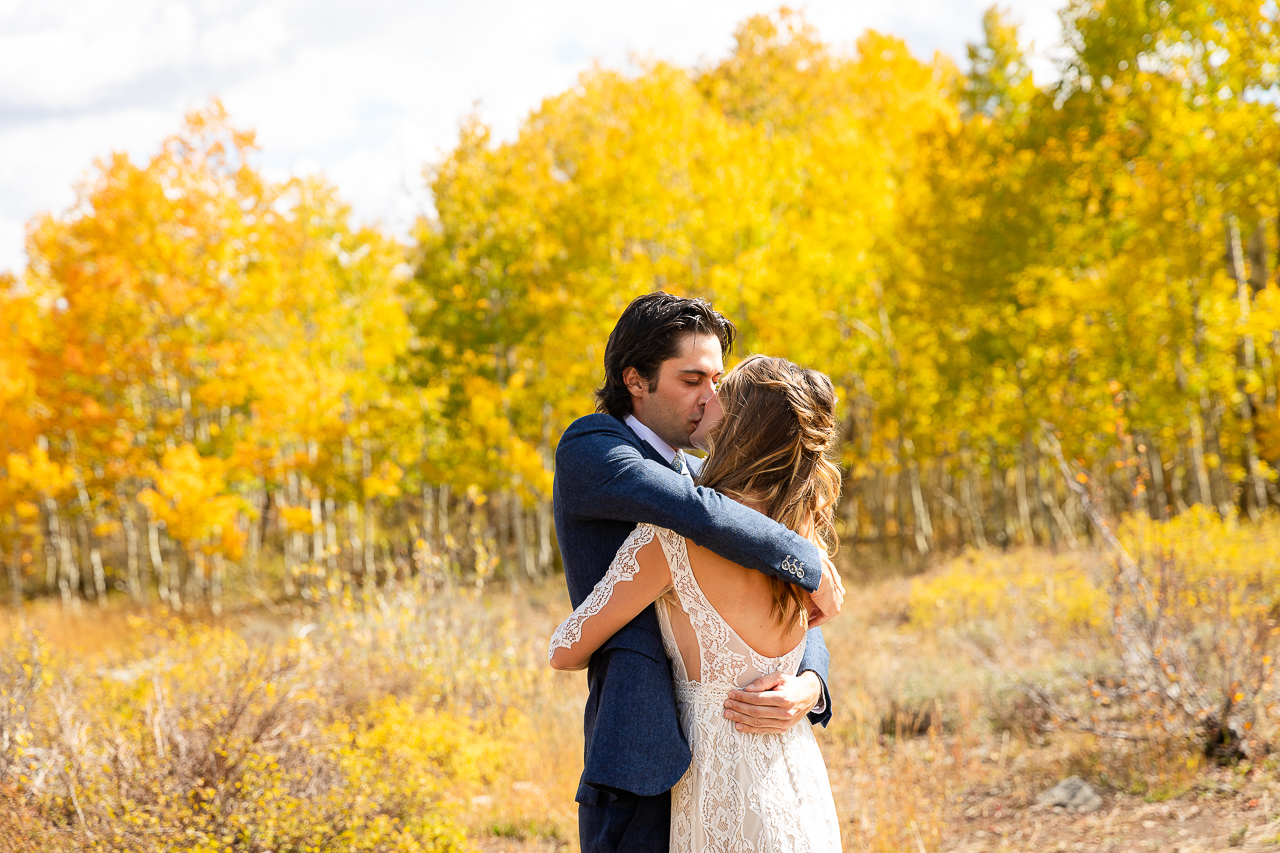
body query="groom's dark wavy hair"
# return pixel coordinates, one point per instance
(650, 331)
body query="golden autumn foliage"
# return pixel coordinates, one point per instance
(190, 498)
(968, 252)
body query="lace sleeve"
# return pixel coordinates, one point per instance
(623, 568)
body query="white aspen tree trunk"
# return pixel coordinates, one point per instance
(1219, 494)
(353, 541)
(542, 504)
(1199, 445)
(88, 543)
(366, 469)
(1060, 518)
(922, 527)
(1005, 526)
(353, 538)
(1183, 456)
(545, 532)
(217, 583)
(68, 571)
(290, 537)
(524, 565)
(99, 571)
(260, 501)
(188, 422)
(1043, 516)
(331, 537)
(446, 537)
(429, 517)
(1177, 487)
(202, 426)
(1204, 491)
(507, 512)
(850, 509)
(1259, 275)
(879, 510)
(1159, 487)
(1255, 489)
(893, 506)
(196, 574)
(15, 571)
(1024, 506)
(1218, 479)
(80, 551)
(176, 593)
(971, 496)
(96, 582)
(50, 558)
(157, 561)
(312, 492)
(950, 520)
(317, 524)
(132, 558)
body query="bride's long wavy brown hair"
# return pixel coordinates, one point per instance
(773, 449)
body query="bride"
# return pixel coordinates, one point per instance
(769, 430)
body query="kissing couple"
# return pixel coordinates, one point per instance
(699, 586)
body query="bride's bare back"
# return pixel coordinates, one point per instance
(741, 596)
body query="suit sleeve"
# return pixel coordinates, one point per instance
(606, 477)
(816, 660)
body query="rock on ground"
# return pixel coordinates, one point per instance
(1073, 794)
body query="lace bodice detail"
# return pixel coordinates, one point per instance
(743, 793)
(726, 660)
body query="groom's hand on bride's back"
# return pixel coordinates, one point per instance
(774, 702)
(825, 602)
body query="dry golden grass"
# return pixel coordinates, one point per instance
(432, 702)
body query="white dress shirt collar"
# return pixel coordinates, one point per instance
(665, 450)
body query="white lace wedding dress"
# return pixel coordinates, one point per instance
(743, 792)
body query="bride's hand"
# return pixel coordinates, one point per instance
(774, 702)
(826, 601)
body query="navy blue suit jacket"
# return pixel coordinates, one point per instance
(607, 481)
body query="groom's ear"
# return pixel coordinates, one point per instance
(635, 382)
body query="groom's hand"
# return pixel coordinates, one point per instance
(825, 602)
(773, 703)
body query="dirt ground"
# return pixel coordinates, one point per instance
(1224, 811)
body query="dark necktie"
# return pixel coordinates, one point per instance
(677, 464)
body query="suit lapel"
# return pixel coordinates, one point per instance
(646, 449)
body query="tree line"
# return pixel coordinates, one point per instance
(210, 381)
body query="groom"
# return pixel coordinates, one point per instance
(624, 466)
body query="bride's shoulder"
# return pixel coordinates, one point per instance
(672, 542)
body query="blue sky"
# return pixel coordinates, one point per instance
(364, 92)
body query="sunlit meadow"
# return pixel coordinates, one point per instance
(423, 716)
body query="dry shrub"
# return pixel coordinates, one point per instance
(373, 730)
(1167, 639)
(1197, 621)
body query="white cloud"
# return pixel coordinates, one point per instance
(255, 37)
(12, 234)
(364, 92)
